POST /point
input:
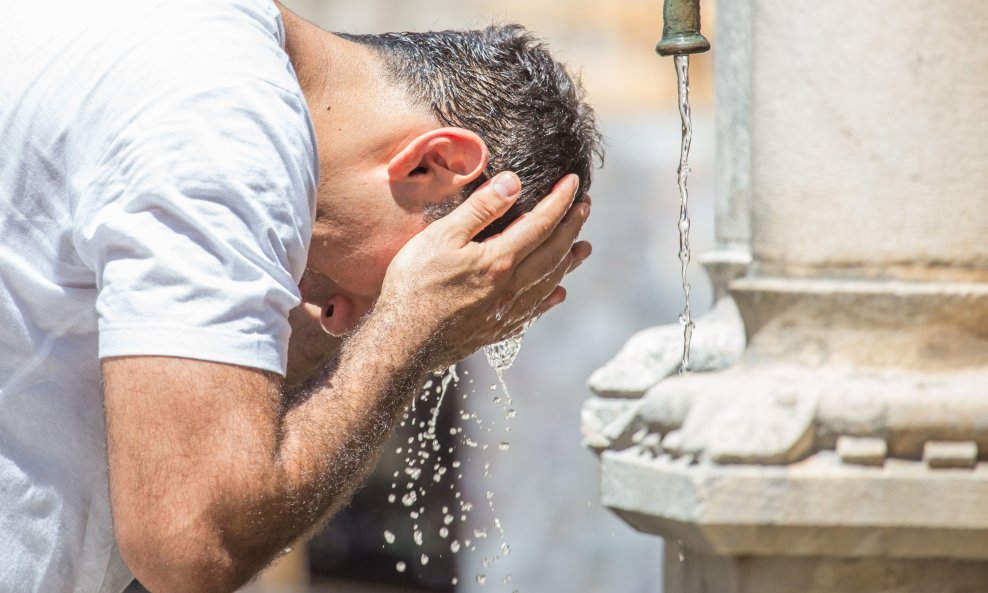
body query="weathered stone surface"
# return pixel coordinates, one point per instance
(598, 414)
(940, 454)
(704, 573)
(840, 453)
(759, 428)
(855, 107)
(655, 353)
(817, 507)
(932, 326)
(727, 412)
(862, 450)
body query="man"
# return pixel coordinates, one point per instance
(163, 205)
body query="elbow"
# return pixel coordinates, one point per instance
(192, 562)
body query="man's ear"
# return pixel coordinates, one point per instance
(438, 163)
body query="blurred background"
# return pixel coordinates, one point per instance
(544, 490)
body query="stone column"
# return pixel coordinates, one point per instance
(845, 450)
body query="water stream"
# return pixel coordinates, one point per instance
(685, 318)
(423, 452)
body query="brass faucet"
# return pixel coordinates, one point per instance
(681, 29)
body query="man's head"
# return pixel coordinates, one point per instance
(409, 124)
(502, 84)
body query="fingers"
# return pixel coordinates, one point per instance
(528, 302)
(547, 257)
(531, 230)
(581, 251)
(556, 297)
(483, 207)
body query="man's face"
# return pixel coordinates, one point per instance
(359, 228)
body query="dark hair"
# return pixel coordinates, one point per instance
(500, 83)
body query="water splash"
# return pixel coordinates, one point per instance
(423, 451)
(501, 355)
(685, 318)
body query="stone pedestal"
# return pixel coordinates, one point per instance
(843, 446)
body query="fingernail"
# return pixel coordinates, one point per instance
(506, 184)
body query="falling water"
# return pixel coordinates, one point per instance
(501, 355)
(424, 450)
(685, 318)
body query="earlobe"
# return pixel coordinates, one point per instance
(450, 157)
(338, 316)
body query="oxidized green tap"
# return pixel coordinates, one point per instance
(681, 29)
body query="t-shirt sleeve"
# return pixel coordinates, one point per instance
(197, 224)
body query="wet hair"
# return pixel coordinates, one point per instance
(502, 84)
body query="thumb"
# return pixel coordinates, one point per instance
(484, 206)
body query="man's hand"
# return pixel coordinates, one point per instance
(214, 469)
(471, 294)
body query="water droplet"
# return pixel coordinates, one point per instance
(392, 498)
(400, 567)
(480, 533)
(417, 536)
(505, 549)
(481, 579)
(389, 537)
(448, 519)
(454, 546)
(490, 495)
(486, 563)
(504, 446)
(424, 559)
(409, 499)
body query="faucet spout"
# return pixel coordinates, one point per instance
(681, 29)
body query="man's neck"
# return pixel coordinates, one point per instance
(309, 52)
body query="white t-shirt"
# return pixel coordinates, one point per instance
(157, 184)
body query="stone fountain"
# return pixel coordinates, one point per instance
(833, 436)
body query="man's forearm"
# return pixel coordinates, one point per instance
(343, 414)
(208, 512)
